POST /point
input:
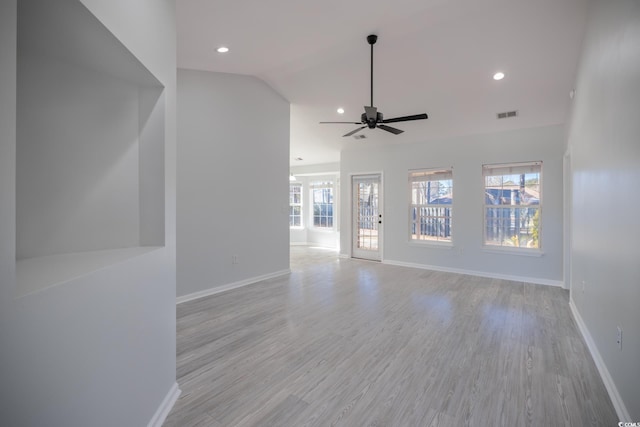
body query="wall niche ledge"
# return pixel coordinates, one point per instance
(39, 273)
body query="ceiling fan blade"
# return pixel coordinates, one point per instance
(406, 118)
(390, 129)
(354, 131)
(346, 123)
(371, 112)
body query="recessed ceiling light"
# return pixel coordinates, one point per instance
(340, 110)
(222, 49)
(498, 76)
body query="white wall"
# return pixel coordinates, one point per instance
(97, 349)
(233, 134)
(605, 154)
(466, 155)
(307, 234)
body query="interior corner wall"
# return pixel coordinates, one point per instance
(233, 199)
(466, 155)
(605, 160)
(8, 55)
(8, 63)
(98, 349)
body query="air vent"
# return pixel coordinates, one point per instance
(359, 136)
(507, 114)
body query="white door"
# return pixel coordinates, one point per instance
(366, 212)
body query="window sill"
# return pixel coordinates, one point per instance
(296, 228)
(513, 251)
(431, 244)
(322, 230)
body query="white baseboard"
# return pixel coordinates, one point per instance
(536, 280)
(298, 244)
(616, 399)
(165, 407)
(229, 286)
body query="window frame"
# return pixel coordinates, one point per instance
(322, 185)
(430, 175)
(514, 168)
(291, 205)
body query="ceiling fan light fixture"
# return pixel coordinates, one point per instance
(498, 76)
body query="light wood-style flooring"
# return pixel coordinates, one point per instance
(356, 343)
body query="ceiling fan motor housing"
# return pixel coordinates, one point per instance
(371, 123)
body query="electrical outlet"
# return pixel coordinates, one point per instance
(619, 339)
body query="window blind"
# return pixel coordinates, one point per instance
(430, 175)
(321, 184)
(511, 169)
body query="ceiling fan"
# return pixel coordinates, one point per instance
(371, 118)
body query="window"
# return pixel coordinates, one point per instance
(431, 205)
(322, 196)
(512, 203)
(295, 205)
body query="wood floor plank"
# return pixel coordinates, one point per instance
(353, 343)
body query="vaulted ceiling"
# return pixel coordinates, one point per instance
(433, 56)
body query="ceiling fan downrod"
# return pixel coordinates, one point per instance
(372, 39)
